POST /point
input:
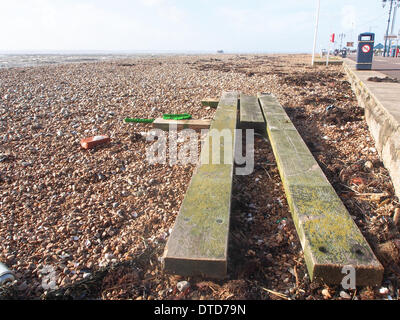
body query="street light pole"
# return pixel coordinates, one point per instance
(394, 18)
(388, 25)
(316, 33)
(396, 5)
(341, 36)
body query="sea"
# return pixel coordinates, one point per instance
(32, 60)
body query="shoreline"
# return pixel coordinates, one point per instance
(21, 60)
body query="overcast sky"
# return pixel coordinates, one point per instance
(183, 25)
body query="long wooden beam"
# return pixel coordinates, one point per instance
(251, 116)
(329, 237)
(209, 102)
(198, 244)
(163, 124)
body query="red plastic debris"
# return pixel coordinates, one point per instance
(358, 181)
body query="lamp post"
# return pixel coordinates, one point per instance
(397, 44)
(394, 16)
(396, 3)
(341, 36)
(316, 32)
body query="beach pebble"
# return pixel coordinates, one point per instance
(183, 286)
(326, 294)
(345, 295)
(124, 193)
(108, 256)
(369, 165)
(66, 281)
(384, 291)
(396, 217)
(23, 286)
(121, 213)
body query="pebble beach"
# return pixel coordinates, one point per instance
(73, 213)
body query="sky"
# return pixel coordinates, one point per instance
(261, 26)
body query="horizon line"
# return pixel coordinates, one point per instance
(128, 52)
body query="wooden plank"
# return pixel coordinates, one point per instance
(251, 116)
(210, 102)
(331, 62)
(328, 234)
(198, 243)
(163, 124)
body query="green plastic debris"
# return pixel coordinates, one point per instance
(183, 116)
(280, 220)
(135, 120)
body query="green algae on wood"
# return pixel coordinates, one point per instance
(208, 102)
(166, 125)
(251, 116)
(329, 237)
(198, 243)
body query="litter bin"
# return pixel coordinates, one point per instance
(344, 53)
(365, 51)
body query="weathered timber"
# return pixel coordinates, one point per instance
(198, 243)
(209, 102)
(181, 124)
(251, 116)
(329, 237)
(331, 62)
